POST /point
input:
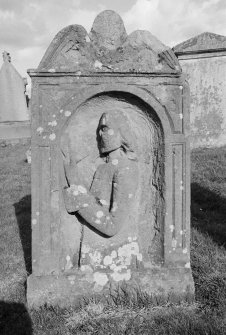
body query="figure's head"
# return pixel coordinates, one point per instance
(109, 135)
(114, 132)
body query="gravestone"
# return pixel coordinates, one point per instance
(203, 60)
(110, 166)
(14, 116)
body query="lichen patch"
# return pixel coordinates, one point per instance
(181, 116)
(98, 64)
(172, 228)
(174, 243)
(85, 248)
(34, 221)
(113, 254)
(103, 202)
(69, 264)
(95, 258)
(40, 130)
(114, 162)
(82, 189)
(86, 268)
(67, 113)
(118, 276)
(52, 136)
(52, 123)
(110, 132)
(114, 207)
(107, 260)
(99, 214)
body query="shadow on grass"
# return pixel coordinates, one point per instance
(208, 213)
(23, 215)
(14, 319)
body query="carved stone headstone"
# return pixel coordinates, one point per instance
(110, 165)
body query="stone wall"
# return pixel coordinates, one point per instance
(13, 105)
(14, 115)
(203, 60)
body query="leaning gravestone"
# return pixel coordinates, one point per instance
(110, 166)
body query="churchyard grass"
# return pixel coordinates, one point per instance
(123, 312)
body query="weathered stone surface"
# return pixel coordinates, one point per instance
(108, 30)
(66, 290)
(110, 168)
(108, 49)
(203, 61)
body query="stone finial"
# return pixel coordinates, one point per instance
(108, 30)
(6, 56)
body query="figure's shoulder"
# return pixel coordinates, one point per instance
(127, 167)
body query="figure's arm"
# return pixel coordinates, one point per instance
(96, 212)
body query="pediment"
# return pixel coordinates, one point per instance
(203, 42)
(108, 48)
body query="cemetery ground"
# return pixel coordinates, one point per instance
(124, 312)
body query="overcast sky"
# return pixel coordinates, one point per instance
(28, 26)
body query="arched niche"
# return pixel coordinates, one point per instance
(145, 222)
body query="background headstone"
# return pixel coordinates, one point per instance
(203, 60)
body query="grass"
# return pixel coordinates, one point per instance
(208, 192)
(123, 312)
(14, 222)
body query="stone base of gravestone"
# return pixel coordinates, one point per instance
(172, 284)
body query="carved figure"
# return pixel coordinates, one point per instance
(105, 206)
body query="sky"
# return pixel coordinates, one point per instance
(28, 26)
